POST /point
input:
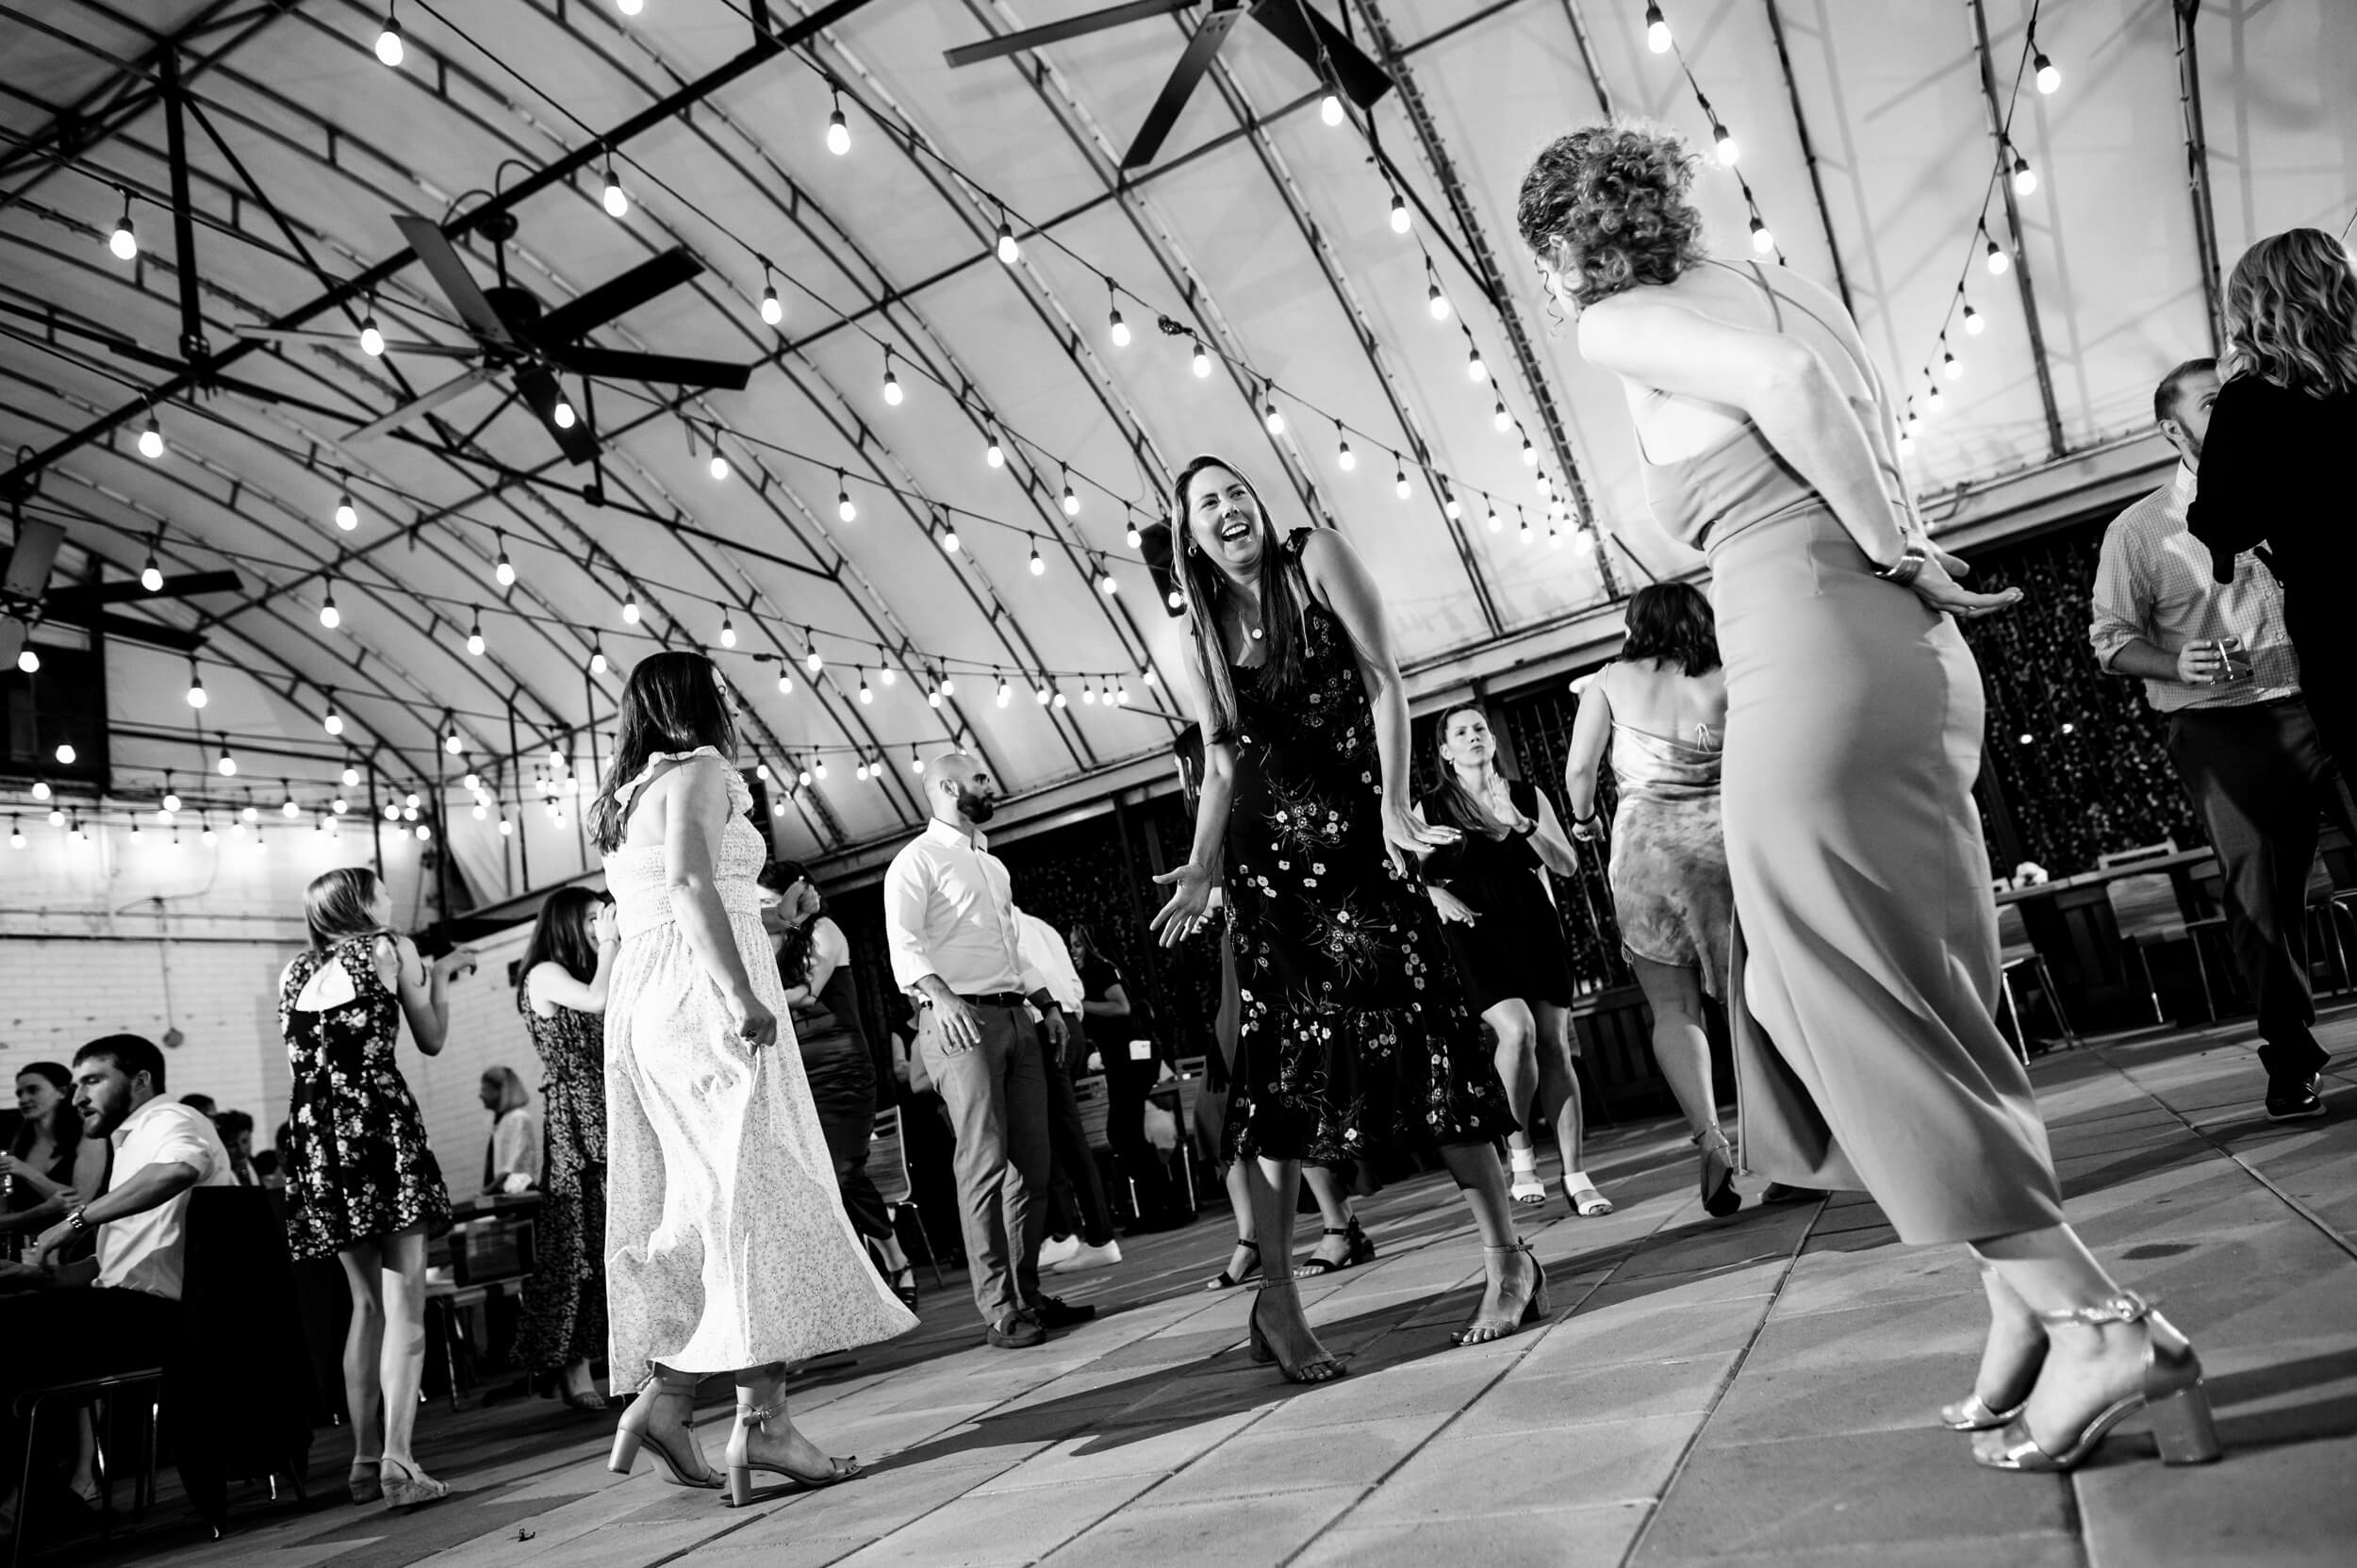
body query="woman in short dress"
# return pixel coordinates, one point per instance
(1865, 1044)
(362, 1186)
(726, 1245)
(1354, 1036)
(566, 969)
(1491, 891)
(1661, 709)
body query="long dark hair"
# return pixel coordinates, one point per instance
(671, 703)
(1451, 797)
(65, 1128)
(1281, 598)
(562, 936)
(779, 877)
(1672, 621)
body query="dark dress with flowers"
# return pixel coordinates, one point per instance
(1355, 1037)
(357, 1163)
(564, 1307)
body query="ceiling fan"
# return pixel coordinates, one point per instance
(27, 600)
(516, 338)
(1296, 23)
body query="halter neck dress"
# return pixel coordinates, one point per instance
(1865, 957)
(726, 1242)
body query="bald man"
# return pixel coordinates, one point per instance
(955, 940)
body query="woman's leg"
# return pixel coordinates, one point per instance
(1559, 1100)
(1238, 1182)
(1681, 1045)
(1333, 1201)
(1275, 1185)
(402, 1363)
(1517, 1059)
(364, 1340)
(765, 1437)
(1512, 1272)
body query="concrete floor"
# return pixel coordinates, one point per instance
(1755, 1391)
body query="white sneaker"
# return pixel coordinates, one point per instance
(1083, 1257)
(1055, 1249)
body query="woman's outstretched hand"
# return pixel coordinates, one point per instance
(1190, 900)
(1405, 832)
(1936, 586)
(1450, 907)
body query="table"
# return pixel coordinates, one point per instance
(2072, 924)
(487, 1251)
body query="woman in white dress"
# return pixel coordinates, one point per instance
(726, 1245)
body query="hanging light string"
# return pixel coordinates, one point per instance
(1724, 148)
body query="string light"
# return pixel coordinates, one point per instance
(2024, 177)
(1998, 260)
(16, 834)
(948, 686)
(728, 632)
(330, 617)
(916, 763)
(630, 607)
(504, 570)
(1132, 538)
(227, 766)
(1475, 369)
(65, 753)
(347, 515)
(1762, 242)
(1656, 30)
(152, 575)
(451, 743)
(1531, 456)
(1330, 109)
(843, 507)
(1496, 522)
(152, 438)
(1038, 567)
(949, 538)
(995, 453)
(1933, 402)
(40, 789)
(170, 802)
(1434, 300)
(1105, 582)
(1006, 692)
(772, 307)
(196, 686)
(785, 683)
(1345, 458)
(27, 661)
(1399, 478)
(474, 635)
(1071, 501)
(371, 337)
(334, 721)
(718, 467)
(814, 664)
(123, 241)
(389, 41)
(1500, 420)
(290, 809)
(597, 659)
(892, 393)
(1009, 252)
(351, 775)
(1202, 361)
(838, 129)
(1269, 415)
(617, 204)
(1723, 141)
(563, 415)
(1949, 365)
(1401, 219)
(1522, 524)
(1114, 326)
(1974, 323)
(2048, 78)
(864, 693)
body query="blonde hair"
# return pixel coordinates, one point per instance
(2291, 314)
(513, 1095)
(336, 905)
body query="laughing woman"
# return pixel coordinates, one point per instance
(1355, 1038)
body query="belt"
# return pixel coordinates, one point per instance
(997, 999)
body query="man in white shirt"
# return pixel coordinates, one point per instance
(1080, 1221)
(954, 936)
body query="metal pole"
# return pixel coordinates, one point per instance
(377, 823)
(1997, 130)
(2198, 170)
(1808, 154)
(183, 227)
(516, 765)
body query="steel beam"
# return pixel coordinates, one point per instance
(1808, 154)
(2001, 133)
(2184, 14)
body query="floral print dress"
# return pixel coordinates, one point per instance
(1355, 1038)
(564, 1307)
(357, 1161)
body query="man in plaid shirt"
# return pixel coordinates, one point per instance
(2216, 659)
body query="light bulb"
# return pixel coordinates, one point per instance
(1453, 507)
(227, 766)
(1762, 241)
(171, 798)
(843, 507)
(1006, 692)
(1932, 401)
(1345, 459)
(1949, 365)
(630, 610)
(630, 7)
(1071, 501)
(859, 772)
(949, 541)
(617, 204)
(887, 674)
(1038, 567)
(948, 686)
(196, 688)
(1435, 301)
(334, 722)
(1202, 360)
(1132, 538)
(1656, 30)
(1974, 323)
(1121, 694)
(151, 575)
(1008, 251)
(16, 835)
(451, 744)
(563, 415)
(152, 439)
(125, 244)
(27, 661)
(2024, 177)
(330, 617)
(995, 455)
(1117, 329)
(1530, 453)
(1500, 420)
(504, 570)
(1399, 482)
(839, 133)
(1330, 109)
(597, 660)
(864, 693)
(1724, 140)
(785, 683)
(1270, 417)
(2048, 78)
(371, 338)
(1475, 369)
(728, 632)
(1401, 217)
(1043, 696)
(1998, 259)
(1107, 585)
(820, 768)
(40, 789)
(1496, 522)
(814, 664)
(1176, 600)
(916, 763)
(65, 753)
(388, 42)
(892, 388)
(773, 308)
(474, 637)
(290, 809)
(351, 777)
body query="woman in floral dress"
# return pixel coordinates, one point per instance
(565, 971)
(361, 1183)
(1356, 1038)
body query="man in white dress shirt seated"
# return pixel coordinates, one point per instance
(953, 932)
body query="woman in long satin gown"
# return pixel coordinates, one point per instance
(727, 1249)
(1865, 951)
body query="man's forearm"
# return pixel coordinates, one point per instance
(151, 1188)
(2139, 657)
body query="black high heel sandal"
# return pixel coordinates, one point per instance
(1536, 1305)
(1326, 1368)
(1227, 1281)
(1720, 1198)
(1357, 1250)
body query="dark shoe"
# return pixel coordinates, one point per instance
(1017, 1331)
(1321, 1368)
(1228, 1279)
(1776, 1192)
(1720, 1198)
(2294, 1100)
(1054, 1311)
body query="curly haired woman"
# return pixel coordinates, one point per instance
(1866, 946)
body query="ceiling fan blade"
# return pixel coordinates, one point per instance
(12, 635)
(123, 628)
(1202, 50)
(457, 284)
(294, 335)
(1303, 29)
(630, 365)
(420, 403)
(1056, 32)
(82, 596)
(539, 387)
(35, 552)
(616, 296)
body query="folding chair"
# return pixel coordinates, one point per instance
(888, 1169)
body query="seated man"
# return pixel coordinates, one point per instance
(119, 1311)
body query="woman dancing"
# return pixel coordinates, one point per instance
(1854, 733)
(726, 1245)
(567, 969)
(1490, 890)
(1354, 1037)
(814, 965)
(362, 1185)
(1662, 707)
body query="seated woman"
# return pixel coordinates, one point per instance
(51, 1167)
(512, 1162)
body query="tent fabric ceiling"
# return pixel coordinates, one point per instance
(1260, 229)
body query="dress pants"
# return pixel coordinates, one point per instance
(1079, 1189)
(1153, 1181)
(997, 1096)
(2261, 779)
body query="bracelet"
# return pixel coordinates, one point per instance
(1526, 830)
(1908, 566)
(75, 1219)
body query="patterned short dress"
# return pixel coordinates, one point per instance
(357, 1164)
(1354, 1036)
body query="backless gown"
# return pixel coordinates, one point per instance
(726, 1242)
(1669, 869)
(1867, 1053)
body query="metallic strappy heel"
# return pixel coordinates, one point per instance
(631, 1433)
(1975, 1415)
(742, 1466)
(2172, 1397)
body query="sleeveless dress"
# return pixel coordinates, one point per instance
(1865, 957)
(1668, 866)
(726, 1244)
(563, 1305)
(1353, 1038)
(357, 1163)
(1516, 948)
(841, 1076)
